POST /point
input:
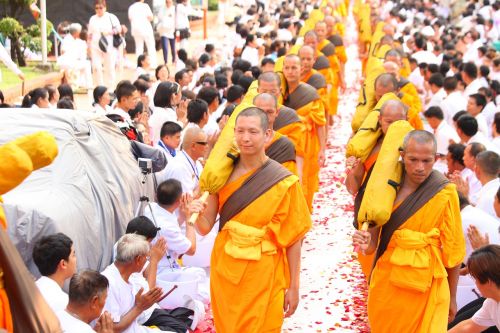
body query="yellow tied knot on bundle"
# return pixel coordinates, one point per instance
(246, 242)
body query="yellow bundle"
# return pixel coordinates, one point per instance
(366, 98)
(362, 143)
(378, 200)
(315, 16)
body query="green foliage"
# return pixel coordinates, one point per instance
(213, 4)
(14, 8)
(11, 28)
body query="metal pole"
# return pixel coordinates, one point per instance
(43, 9)
(204, 4)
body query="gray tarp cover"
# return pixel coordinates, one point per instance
(89, 192)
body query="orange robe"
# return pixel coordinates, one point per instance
(366, 261)
(289, 165)
(404, 296)
(312, 115)
(296, 132)
(321, 89)
(335, 66)
(248, 295)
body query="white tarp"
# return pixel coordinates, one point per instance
(89, 192)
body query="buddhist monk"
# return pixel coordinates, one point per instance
(305, 100)
(311, 76)
(419, 250)
(287, 121)
(280, 148)
(358, 173)
(335, 38)
(255, 263)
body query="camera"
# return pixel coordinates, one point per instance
(146, 165)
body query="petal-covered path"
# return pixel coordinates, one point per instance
(333, 291)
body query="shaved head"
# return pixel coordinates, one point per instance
(488, 162)
(421, 138)
(391, 67)
(269, 77)
(385, 83)
(265, 98)
(255, 112)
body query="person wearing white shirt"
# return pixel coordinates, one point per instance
(211, 96)
(127, 98)
(166, 29)
(103, 24)
(170, 139)
(487, 167)
(485, 224)
(468, 131)
(469, 76)
(168, 107)
(250, 51)
(475, 106)
(185, 166)
(5, 58)
(466, 180)
(443, 132)
(483, 265)
(88, 291)
(101, 101)
(436, 82)
(140, 16)
(123, 303)
(496, 132)
(182, 22)
(454, 101)
(55, 258)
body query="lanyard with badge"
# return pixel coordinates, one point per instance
(195, 171)
(168, 150)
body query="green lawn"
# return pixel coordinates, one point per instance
(10, 79)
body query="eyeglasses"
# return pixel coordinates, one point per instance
(203, 143)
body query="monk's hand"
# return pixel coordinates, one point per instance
(321, 158)
(350, 163)
(158, 250)
(197, 206)
(361, 240)
(145, 301)
(476, 239)
(104, 323)
(291, 301)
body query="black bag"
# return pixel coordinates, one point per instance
(117, 40)
(103, 43)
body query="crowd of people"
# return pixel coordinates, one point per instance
(281, 68)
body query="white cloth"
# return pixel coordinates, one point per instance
(55, 297)
(453, 103)
(488, 315)
(184, 169)
(170, 229)
(158, 118)
(139, 14)
(425, 57)
(489, 114)
(166, 21)
(121, 298)
(487, 196)
(482, 125)
(473, 88)
(100, 110)
(474, 184)
(71, 324)
(121, 112)
(103, 25)
(251, 54)
(5, 58)
(443, 134)
(182, 14)
(436, 98)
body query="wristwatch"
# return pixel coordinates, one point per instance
(190, 223)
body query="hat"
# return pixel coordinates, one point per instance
(143, 226)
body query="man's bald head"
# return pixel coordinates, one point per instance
(388, 29)
(306, 49)
(269, 77)
(307, 59)
(385, 83)
(391, 111)
(269, 104)
(264, 98)
(320, 28)
(394, 56)
(391, 68)
(191, 136)
(311, 39)
(419, 138)
(257, 113)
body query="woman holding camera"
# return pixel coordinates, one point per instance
(103, 26)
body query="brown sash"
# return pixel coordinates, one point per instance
(328, 50)
(425, 192)
(301, 96)
(403, 82)
(336, 40)
(286, 116)
(30, 311)
(281, 150)
(253, 187)
(317, 81)
(321, 63)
